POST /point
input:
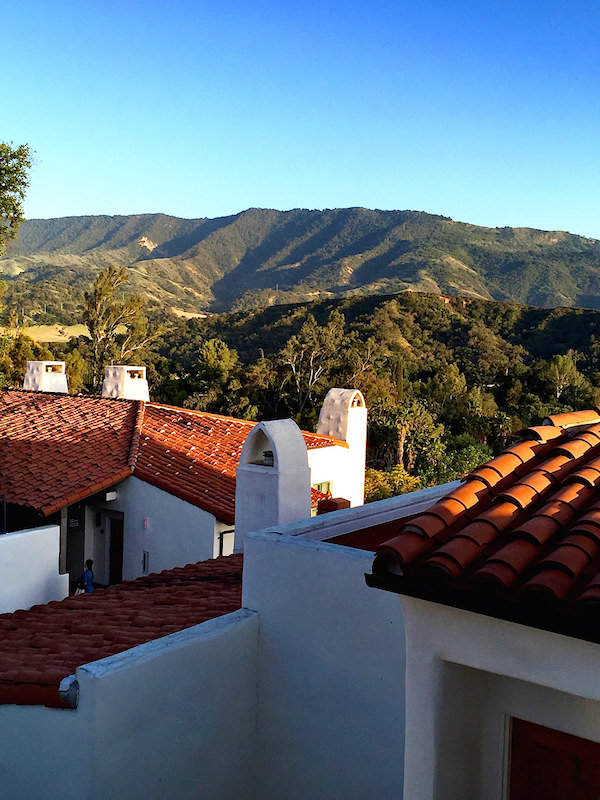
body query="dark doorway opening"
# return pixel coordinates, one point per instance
(75, 543)
(115, 557)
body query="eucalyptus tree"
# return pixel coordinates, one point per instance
(15, 163)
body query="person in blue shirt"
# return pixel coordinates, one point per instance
(88, 577)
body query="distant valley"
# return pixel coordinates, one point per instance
(263, 257)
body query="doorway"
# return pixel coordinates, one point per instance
(115, 552)
(551, 765)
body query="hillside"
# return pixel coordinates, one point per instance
(261, 257)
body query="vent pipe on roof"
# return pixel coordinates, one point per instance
(126, 382)
(46, 376)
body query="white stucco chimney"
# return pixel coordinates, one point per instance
(344, 415)
(272, 479)
(126, 382)
(46, 376)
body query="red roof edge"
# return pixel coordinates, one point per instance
(80, 494)
(135, 439)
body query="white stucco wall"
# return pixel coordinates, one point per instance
(176, 532)
(331, 667)
(466, 675)
(29, 568)
(340, 465)
(172, 718)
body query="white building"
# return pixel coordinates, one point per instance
(474, 674)
(140, 487)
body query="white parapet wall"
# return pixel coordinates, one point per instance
(29, 569)
(331, 672)
(173, 718)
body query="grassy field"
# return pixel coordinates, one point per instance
(55, 333)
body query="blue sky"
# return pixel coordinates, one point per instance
(486, 112)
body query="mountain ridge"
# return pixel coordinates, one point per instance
(265, 256)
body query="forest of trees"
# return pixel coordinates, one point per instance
(448, 381)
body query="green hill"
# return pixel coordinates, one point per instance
(263, 257)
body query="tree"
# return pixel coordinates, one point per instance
(561, 373)
(105, 317)
(310, 355)
(14, 164)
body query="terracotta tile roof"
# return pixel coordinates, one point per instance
(194, 455)
(42, 646)
(519, 539)
(573, 418)
(56, 449)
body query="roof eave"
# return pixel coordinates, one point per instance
(82, 494)
(554, 620)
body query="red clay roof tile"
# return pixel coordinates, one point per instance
(525, 451)
(517, 555)
(470, 493)
(553, 582)
(572, 418)
(501, 515)
(42, 646)
(568, 557)
(90, 443)
(489, 476)
(589, 476)
(538, 480)
(520, 494)
(574, 448)
(497, 573)
(539, 528)
(454, 556)
(427, 525)
(541, 433)
(504, 464)
(447, 509)
(406, 548)
(539, 537)
(481, 531)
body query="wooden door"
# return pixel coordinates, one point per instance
(550, 765)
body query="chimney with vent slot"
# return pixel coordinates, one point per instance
(46, 376)
(344, 415)
(272, 480)
(126, 382)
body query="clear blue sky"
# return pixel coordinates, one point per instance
(486, 112)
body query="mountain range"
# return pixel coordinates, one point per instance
(261, 257)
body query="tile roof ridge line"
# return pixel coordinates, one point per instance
(135, 438)
(333, 441)
(197, 413)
